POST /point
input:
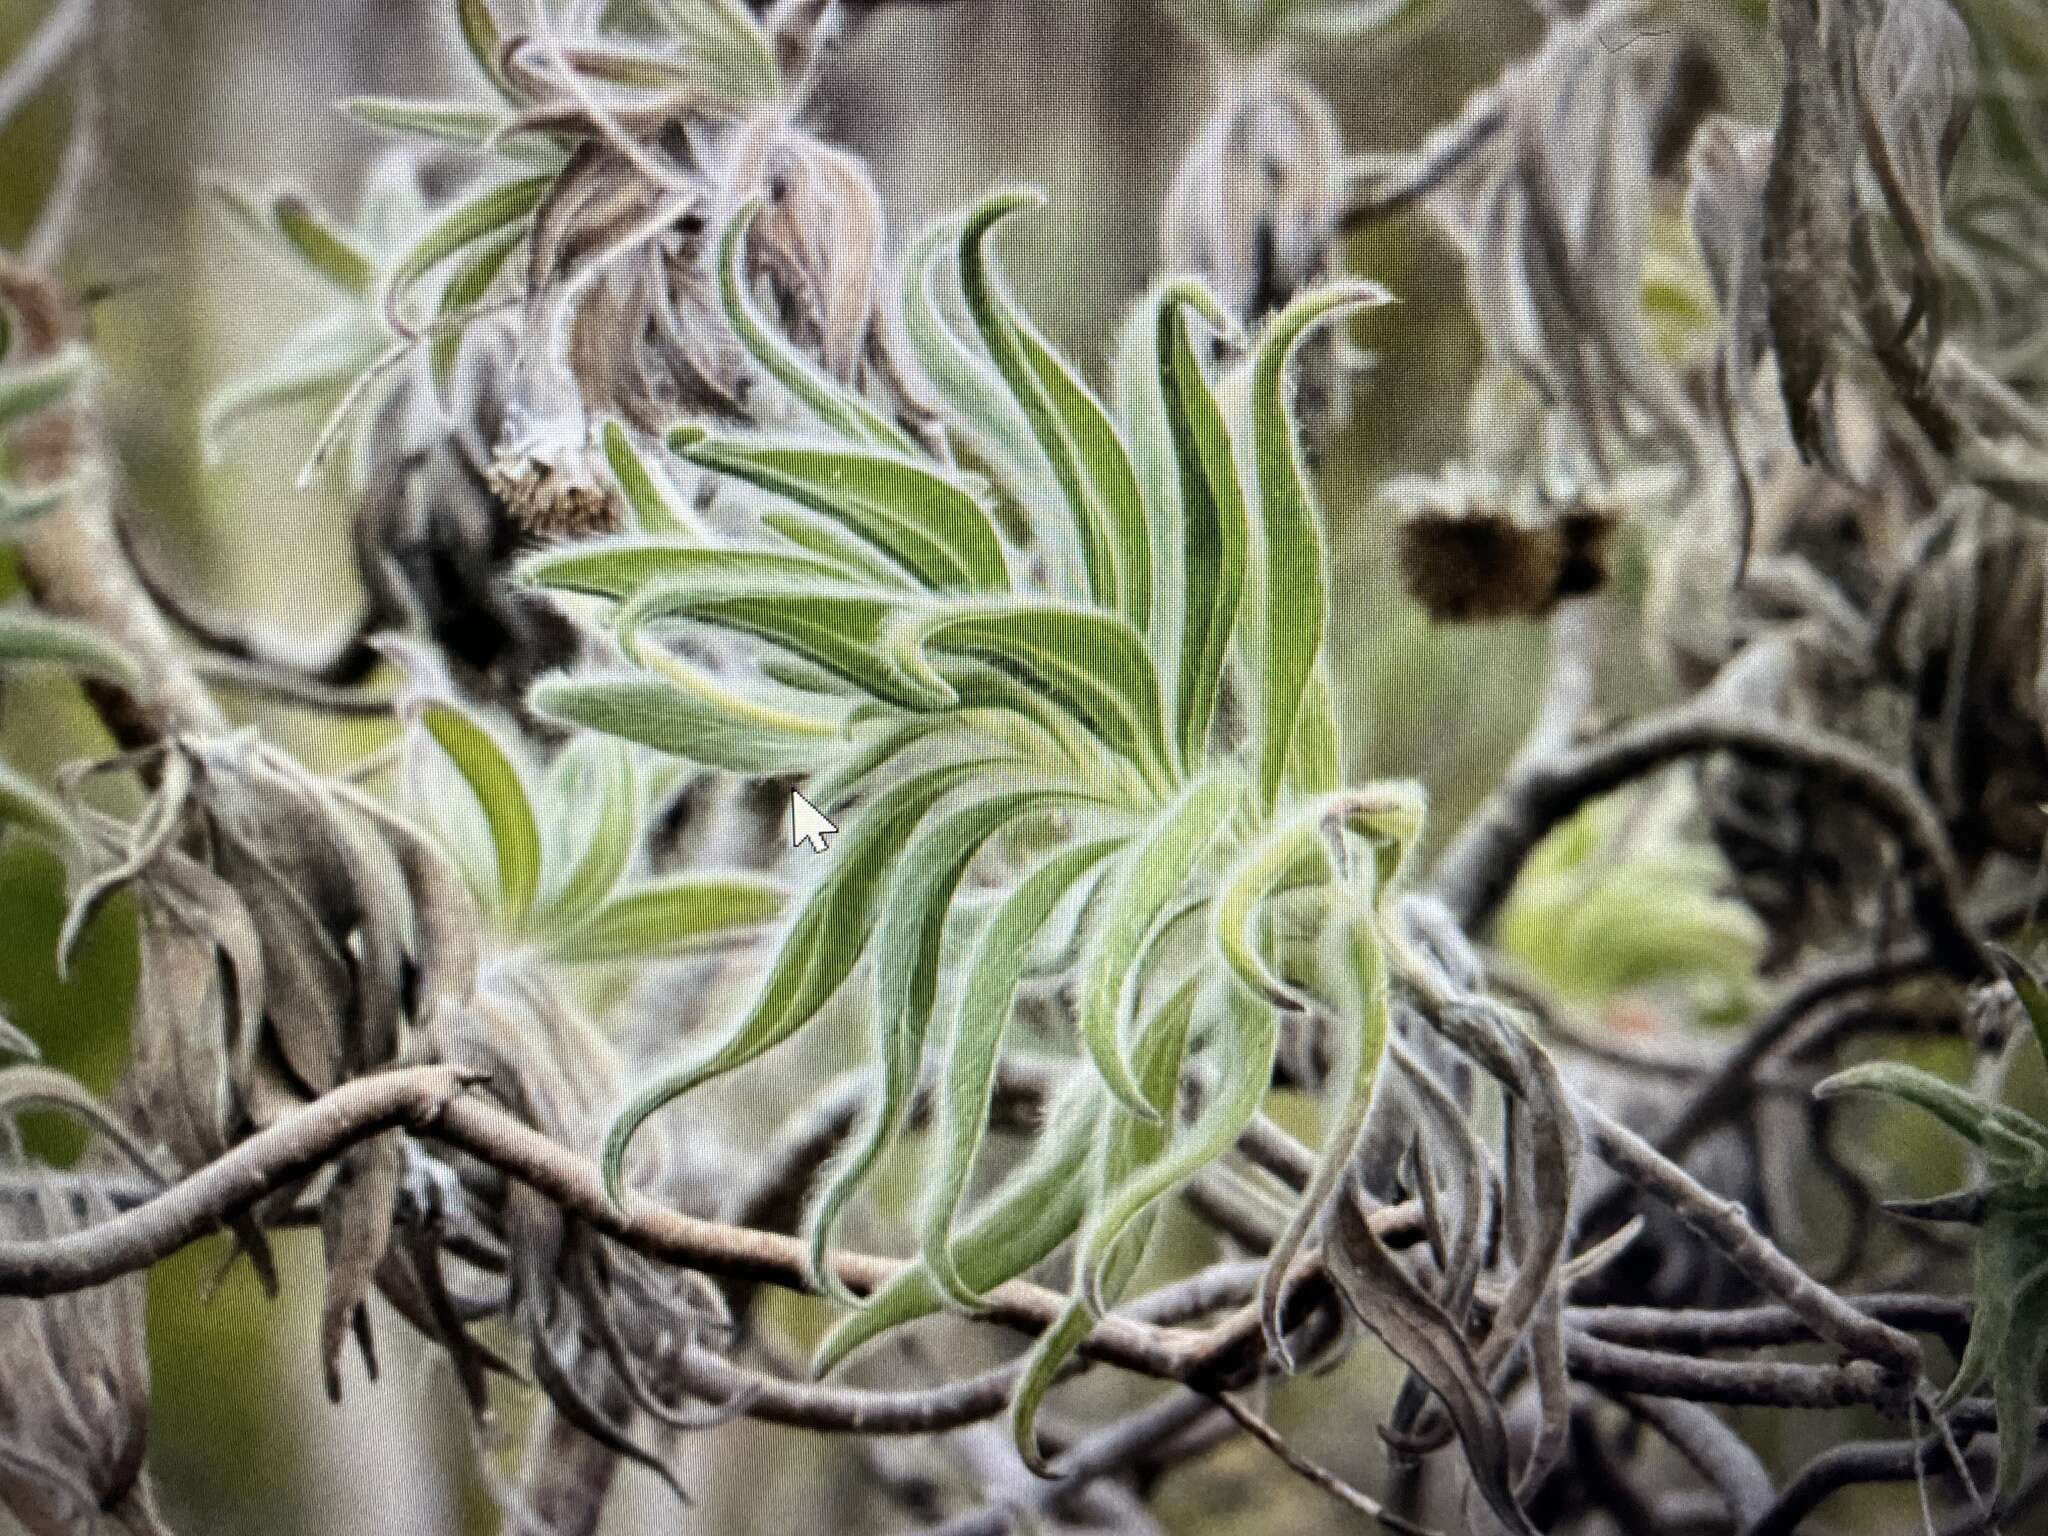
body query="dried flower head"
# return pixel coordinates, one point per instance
(74, 1385)
(1253, 210)
(601, 1324)
(294, 935)
(1471, 551)
(1552, 213)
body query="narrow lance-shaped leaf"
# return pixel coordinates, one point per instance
(1214, 532)
(28, 638)
(1002, 329)
(834, 405)
(500, 789)
(913, 513)
(468, 222)
(967, 1084)
(1126, 1146)
(1094, 664)
(1295, 584)
(619, 568)
(689, 714)
(907, 942)
(843, 631)
(1358, 967)
(321, 246)
(485, 41)
(825, 941)
(464, 292)
(1246, 888)
(1968, 1115)
(672, 917)
(1147, 879)
(1244, 1033)
(652, 510)
(596, 776)
(976, 398)
(1031, 1213)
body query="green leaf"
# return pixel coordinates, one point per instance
(1125, 1147)
(493, 776)
(907, 949)
(1315, 766)
(1245, 1035)
(1358, 971)
(1969, 1116)
(1295, 584)
(1031, 1213)
(28, 638)
(832, 403)
(465, 291)
(994, 971)
(1215, 532)
(978, 402)
(689, 714)
(1257, 875)
(674, 916)
(317, 364)
(726, 51)
(321, 246)
(652, 510)
(827, 541)
(592, 791)
(1073, 430)
(925, 521)
(1146, 881)
(1094, 664)
(825, 941)
(842, 630)
(486, 43)
(455, 231)
(440, 121)
(30, 388)
(621, 567)
(27, 806)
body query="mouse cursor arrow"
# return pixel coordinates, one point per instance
(808, 824)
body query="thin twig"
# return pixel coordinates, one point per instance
(1312, 1472)
(1726, 1225)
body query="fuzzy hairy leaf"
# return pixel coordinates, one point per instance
(620, 568)
(832, 403)
(653, 512)
(1072, 429)
(29, 638)
(1145, 883)
(1094, 664)
(471, 220)
(1214, 527)
(1031, 1213)
(1294, 584)
(687, 713)
(593, 794)
(1125, 1146)
(915, 909)
(825, 941)
(27, 806)
(672, 916)
(993, 973)
(494, 777)
(911, 512)
(1244, 1034)
(842, 630)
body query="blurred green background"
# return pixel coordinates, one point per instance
(1095, 99)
